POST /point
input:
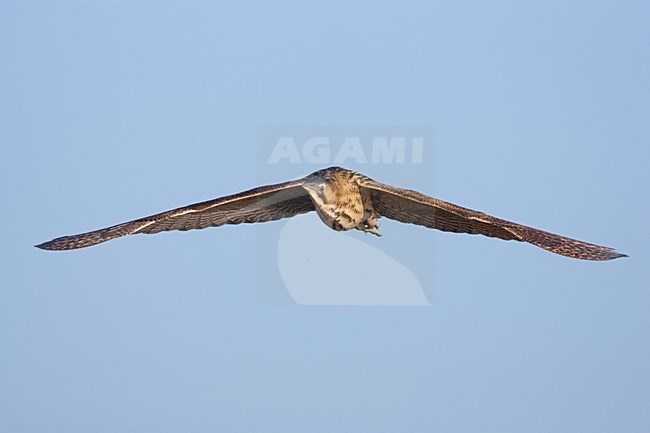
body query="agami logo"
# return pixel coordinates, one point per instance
(323, 150)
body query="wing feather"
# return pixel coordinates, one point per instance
(266, 203)
(416, 208)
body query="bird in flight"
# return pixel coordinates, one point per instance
(344, 200)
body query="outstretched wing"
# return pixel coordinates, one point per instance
(413, 207)
(266, 203)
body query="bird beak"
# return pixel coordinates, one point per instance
(314, 189)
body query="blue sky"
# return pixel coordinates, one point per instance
(115, 110)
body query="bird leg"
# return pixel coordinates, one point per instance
(370, 225)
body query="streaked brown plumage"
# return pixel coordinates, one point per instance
(344, 200)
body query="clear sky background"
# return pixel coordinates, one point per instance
(114, 110)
